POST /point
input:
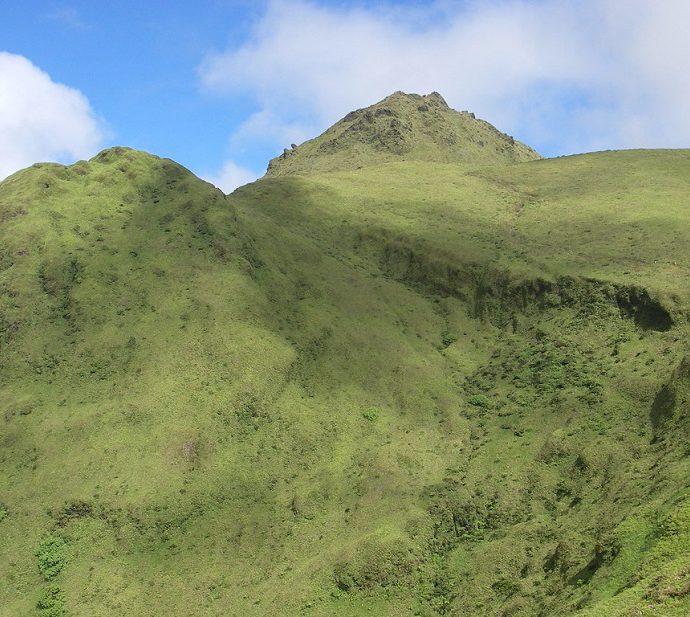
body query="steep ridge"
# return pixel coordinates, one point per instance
(402, 126)
(415, 388)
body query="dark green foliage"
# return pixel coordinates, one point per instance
(480, 400)
(51, 603)
(460, 515)
(50, 554)
(448, 340)
(371, 413)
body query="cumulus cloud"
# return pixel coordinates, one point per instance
(564, 75)
(40, 119)
(230, 176)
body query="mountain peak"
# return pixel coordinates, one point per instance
(400, 96)
(402, 126)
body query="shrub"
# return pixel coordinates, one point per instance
(371, 414)
(480, 400)
(448, 340)
(52, 602)
(51, 556)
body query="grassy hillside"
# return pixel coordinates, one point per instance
(416, 388)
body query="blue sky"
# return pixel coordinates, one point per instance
(136, 62)
(222, 86)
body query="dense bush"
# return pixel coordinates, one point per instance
(51, 556)
(52, 602)
(371, 414)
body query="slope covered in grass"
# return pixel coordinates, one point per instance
(415, 388)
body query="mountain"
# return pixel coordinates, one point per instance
(406, 127)
(425, 386)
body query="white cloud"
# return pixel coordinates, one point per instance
(40, 119)
(565, 75)
(650, 42)
(230, 176)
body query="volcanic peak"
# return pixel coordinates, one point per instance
(402, 126)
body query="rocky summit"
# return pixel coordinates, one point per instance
(402, 127)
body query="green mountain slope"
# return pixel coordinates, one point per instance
(416, 388)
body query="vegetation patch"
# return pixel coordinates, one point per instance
(51, 602)
(376, 565)
(371, 413)
(50, 554)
